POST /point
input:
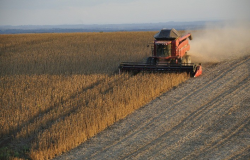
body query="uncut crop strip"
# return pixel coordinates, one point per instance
(66, 107)
(26, 99)
(57, 90)
(107, 108)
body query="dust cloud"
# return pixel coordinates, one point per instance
(221, 42)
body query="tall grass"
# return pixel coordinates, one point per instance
(58, 90)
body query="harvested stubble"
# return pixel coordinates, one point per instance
(58, 90)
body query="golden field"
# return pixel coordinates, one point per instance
(58, 90)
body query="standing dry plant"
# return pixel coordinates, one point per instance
(58, 90)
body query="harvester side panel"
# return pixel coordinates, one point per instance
(182, 45)
(183, 48)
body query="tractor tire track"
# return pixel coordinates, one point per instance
(197, 120)
(200, 113)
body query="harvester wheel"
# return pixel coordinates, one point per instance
(184, 61)
(188, 59)
(194, 68)
(151, 61)
(154, 61)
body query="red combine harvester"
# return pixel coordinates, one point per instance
(169, 54)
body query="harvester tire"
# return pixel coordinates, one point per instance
(151, 61)
(194, 68)
(188, 59)
(184, 61)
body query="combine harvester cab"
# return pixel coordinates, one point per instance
(169, 54)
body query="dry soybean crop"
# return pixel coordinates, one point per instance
(58, 90)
